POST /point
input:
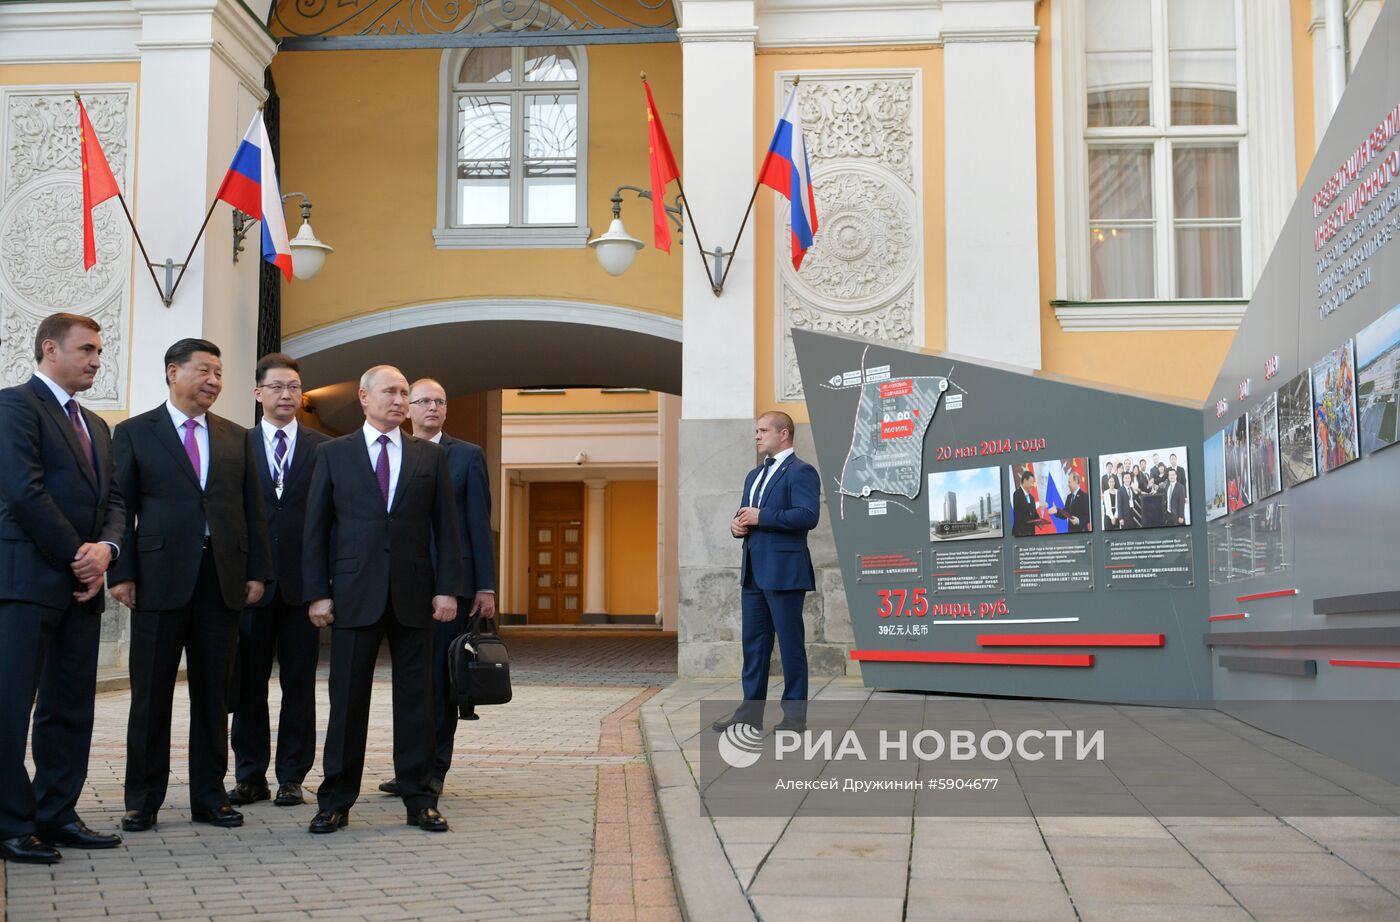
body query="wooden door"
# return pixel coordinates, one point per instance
(555, 570)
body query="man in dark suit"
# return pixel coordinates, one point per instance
(781, 504)
(1175, 499)
(277, 627)
(380, 511)
(1180, 472)
(1025, 510)
(1076, 509)
(197, 553)
(61, 522)
(427, 407)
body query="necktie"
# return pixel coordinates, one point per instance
(758, 487)
(279, 461)
(192, 446)
(81, 432)
(381, 467)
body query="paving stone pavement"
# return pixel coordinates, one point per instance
(522, 798)
(1072, 868)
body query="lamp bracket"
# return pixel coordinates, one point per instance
(242, 222)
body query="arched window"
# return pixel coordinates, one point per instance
(514, 145)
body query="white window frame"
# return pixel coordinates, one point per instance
(1268, 179)
(448, 235)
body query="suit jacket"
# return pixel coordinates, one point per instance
(472, 487)
(1077, 505)
(364, 557)
(51, 499)
(1124, 503)
(286, 517)
(1023, 514)
(167, 512)
(1176, 504)
(775, 550)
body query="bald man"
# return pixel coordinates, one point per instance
(379, 512)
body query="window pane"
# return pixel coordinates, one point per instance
(551, 159)
(1206, 181)
(551, 63)
(1121, 262)
(1201, 58)
(571, 558)
(486, 65)
(1208, 262)
(1120, 182)
(483, 160)
(1118, 38)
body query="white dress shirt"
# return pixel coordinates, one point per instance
(756, 494)
(269, 431)
(395, 450)
(201, 438)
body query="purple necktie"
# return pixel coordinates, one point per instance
(381, 467)
(81, 432)
(279, 453)
(191, 446)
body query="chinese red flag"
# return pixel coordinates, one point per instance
(98, 184)
(663, 170)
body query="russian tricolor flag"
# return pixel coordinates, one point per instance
(251, 186)
(786, 171)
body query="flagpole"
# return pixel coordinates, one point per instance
(190, 255)
(144, 255)
(744, 223)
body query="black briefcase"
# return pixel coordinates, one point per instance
(480, 669)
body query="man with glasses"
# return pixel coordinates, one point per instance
(278, 626)
(427, 408)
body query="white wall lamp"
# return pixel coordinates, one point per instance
(308, 253)
(616, 249)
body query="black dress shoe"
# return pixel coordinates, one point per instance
(390, 787)
(328, 821)
(428, 819)
(225, 817)
(242, 794)
(138, 821)
(289, 795)
(28, 849)
(724, 723)
(77, 835)
(793, 724)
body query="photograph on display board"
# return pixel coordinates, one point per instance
(964, 504)
(1297, 456)
(1237, 464)
(1334, 408)
(1050, 498)
(1264, 476)
(1378, 381)
(1215, 474)
(1145, 488)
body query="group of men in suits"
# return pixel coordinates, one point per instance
(232, 548)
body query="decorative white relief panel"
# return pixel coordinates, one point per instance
(864, 273)
(41, 227)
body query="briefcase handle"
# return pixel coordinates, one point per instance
(474, 624)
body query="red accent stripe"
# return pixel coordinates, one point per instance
(1119, 566)
(1367, 663)
(242, 193)
(1071, 640)
(943, 574)
(977, 659)
(1030, 570)
(1266, 595)
(1234, 617)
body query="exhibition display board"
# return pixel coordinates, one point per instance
(1006, 533)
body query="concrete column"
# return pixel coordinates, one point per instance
(595, 581)
(990, 189)
(202, 65)
(668, 530)
(716, 425)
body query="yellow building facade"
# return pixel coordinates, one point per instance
(460, 165)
